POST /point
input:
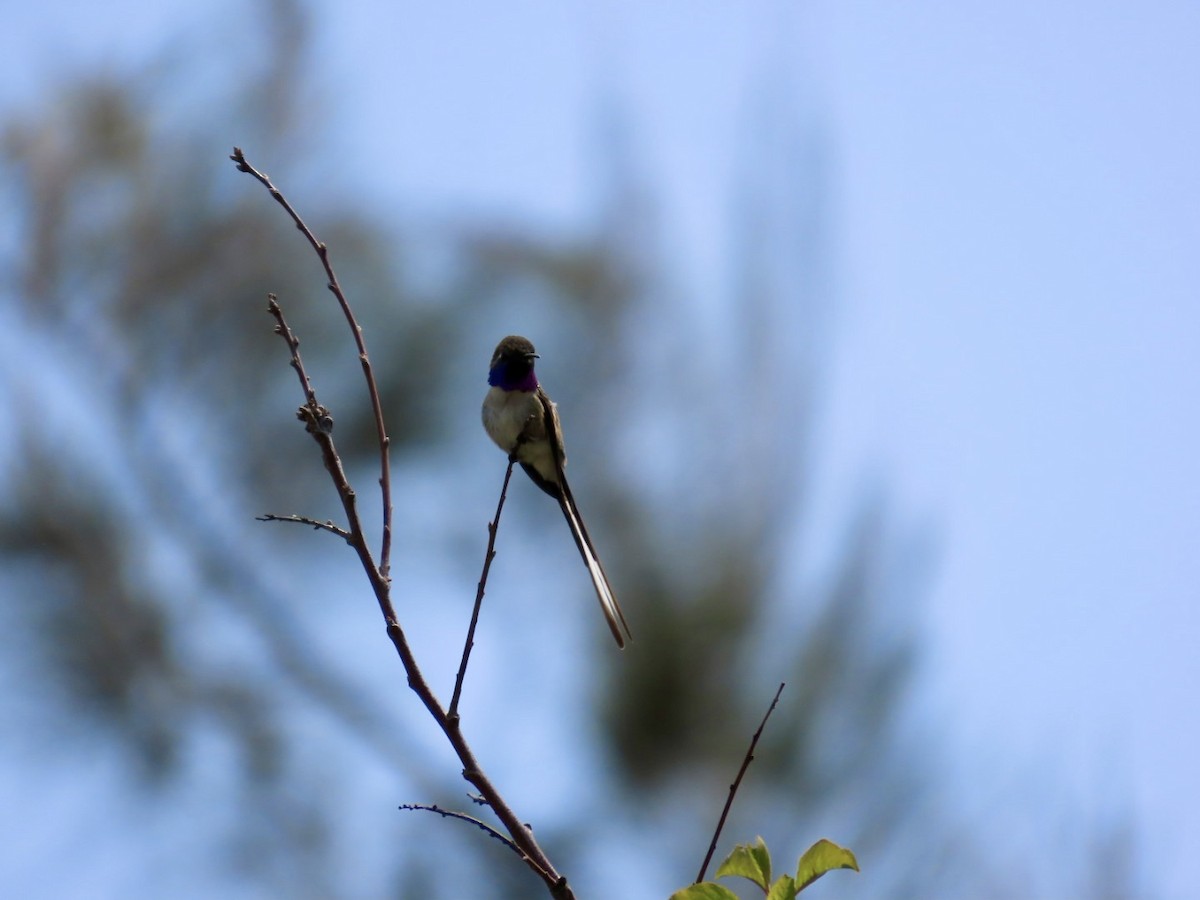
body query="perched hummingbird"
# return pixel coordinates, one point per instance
(523, 422)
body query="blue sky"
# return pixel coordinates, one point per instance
(1016, 217)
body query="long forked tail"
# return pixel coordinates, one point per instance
(608, 601)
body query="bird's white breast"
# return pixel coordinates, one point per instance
(512, 415)
(505, 414)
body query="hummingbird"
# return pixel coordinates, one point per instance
(523, 421)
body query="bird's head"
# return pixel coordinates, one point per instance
(512, 365)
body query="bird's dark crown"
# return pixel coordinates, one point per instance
(512, 364)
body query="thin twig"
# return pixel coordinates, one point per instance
(319, 424)
(518, 830)
(478, 823)
(385, 465)
(293, 342)
(487, 565)
(749, 758)
(305, 520)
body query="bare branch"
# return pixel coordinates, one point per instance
(319, 424)
(749, 758)
(305, 520)
(385, 466)
(478, 823)
(488, 556)
(293, 342)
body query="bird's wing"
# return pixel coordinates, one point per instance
(566, 500)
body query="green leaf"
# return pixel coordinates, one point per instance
(705, 890)
(823, 856)
(751, 861)
(783, 889)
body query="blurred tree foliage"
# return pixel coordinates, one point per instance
(149, 409)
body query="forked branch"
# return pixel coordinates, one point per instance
(385, 465)
(319, 424)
